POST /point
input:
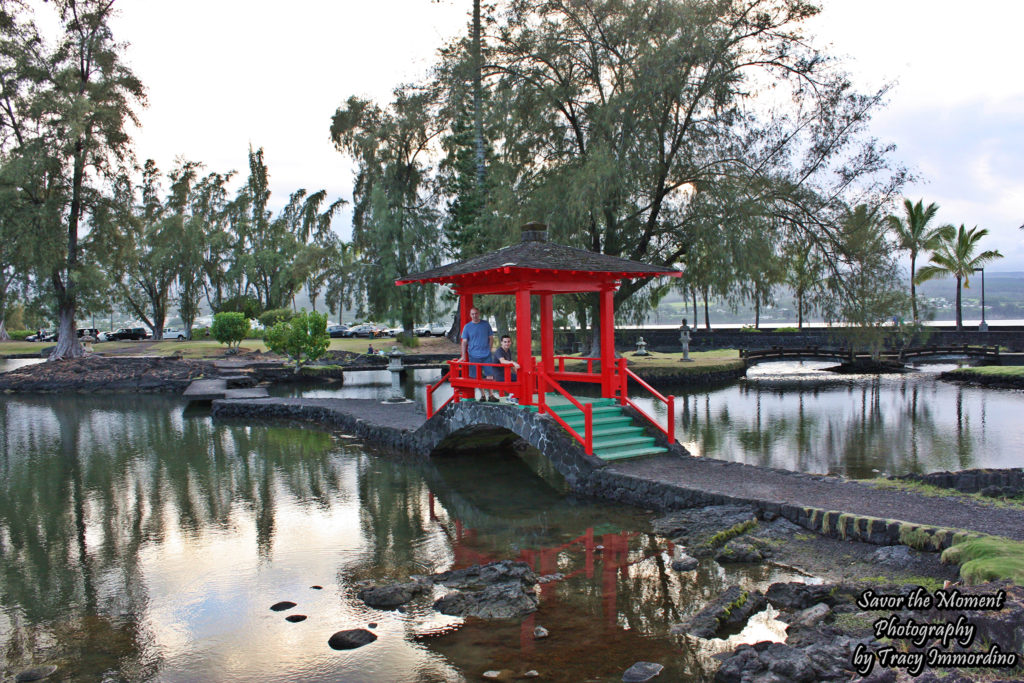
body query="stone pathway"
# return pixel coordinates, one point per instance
(691, 478)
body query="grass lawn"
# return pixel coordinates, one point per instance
(208, 348)
(654, 364)
(994, 370)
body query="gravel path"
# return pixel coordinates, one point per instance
(828, 493)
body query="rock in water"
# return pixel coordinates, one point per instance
(685, 563)
(642, 671)
(295, 618)
(392, 595)
(282, 606)
(500, 601)
(36, 673)
(351, 639)
(540, 632)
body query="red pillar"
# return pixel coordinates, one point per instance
(524, 346)
(465, 303)
(608, 341)
(547, 333)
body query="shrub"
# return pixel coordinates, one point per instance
(19, 335)
(303, 338)
(247, 305)
(749, 328)
(786, 329)
(408, 340)
(275, 315)
(230, 328)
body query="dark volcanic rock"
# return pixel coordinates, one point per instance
(731, 610)
(697, 525)
(295, 618)
(506, 600)
(392, 595)
(282, 606)
(485, 574)
(351, 639)
(102, 374)
(642, 672)
(743, 550)
(36, 673)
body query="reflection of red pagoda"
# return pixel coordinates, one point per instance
(609, 550)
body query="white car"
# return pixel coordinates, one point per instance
(431, 329)
(174, 333)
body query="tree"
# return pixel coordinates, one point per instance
(804, 274)
(394, 216)
(63, 129)
(913, 235)
(630, 127)
(303, 338)
(142, 236)
(953, 254)
(230, 328)
(866, 290)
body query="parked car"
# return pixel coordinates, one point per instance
(128, 333)
(393, 331)
(338, 331)
(41, 335)
(174, 333)
(364, 330)
(88, 332)
(432, 329)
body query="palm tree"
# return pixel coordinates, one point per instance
(953, 254)
(913, 235)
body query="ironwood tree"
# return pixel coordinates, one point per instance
(62, 132)
(636, 129)
(394, 222)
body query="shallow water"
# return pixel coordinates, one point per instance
(140, 544)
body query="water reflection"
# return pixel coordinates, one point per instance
(138, 544)
(800, 418)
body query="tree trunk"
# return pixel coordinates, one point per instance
(800, 310)
(478, 126)
(3, 331)
(707, 318)
(913, 289)
(959, 312)
(757, 313)
(695, 318)
(67, 341)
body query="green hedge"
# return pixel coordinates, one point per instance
(19, 335)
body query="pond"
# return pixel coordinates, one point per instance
(798, 416)
(141, 542)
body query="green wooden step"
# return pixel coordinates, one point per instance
(633, 453)
(602, 420)
(623, 442)
(568, 411)
(617, 430)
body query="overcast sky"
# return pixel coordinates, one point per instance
(224, 74)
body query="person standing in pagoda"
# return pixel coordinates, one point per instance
(477, 341)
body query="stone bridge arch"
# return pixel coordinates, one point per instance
(540, 431)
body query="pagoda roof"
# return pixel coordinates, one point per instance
(534, 258)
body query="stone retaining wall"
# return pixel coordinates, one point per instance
(1007, 482)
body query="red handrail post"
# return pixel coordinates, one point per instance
(430, 401)
(671, 420)
(588, 428)
(624, 382)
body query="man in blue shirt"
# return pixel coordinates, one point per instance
(477, 340)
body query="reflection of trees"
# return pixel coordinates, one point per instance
(857, 427)
(86, 483)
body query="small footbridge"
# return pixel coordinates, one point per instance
(987, 354)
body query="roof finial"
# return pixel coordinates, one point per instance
(534, 232)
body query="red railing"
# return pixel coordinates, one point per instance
(576, 375)
(670, 401)
(587, 437)
(431, 388)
